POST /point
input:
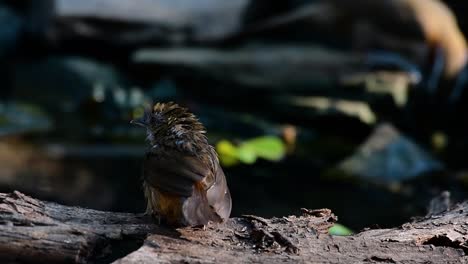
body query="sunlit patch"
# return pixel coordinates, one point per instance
(138, 112)
(267, 147)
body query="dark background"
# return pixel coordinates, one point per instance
(74, 73)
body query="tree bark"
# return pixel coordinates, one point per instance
(33, 230)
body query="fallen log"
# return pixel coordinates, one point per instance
(32, 230)
(435, 239)
(275, 67)
(308, 69)
(150, 20)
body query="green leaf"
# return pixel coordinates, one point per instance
(267, 147)
(339, 230)
(246, 154)
(227, 153)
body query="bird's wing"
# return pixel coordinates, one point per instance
(213, 204)
(218, 196)
(173, 172)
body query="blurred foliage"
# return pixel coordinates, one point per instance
(18, 118)
(384, 82)
(267, 147)
(439, 141)
(356, 109)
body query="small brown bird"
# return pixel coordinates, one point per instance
(182, 179)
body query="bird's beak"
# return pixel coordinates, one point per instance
(138, 122)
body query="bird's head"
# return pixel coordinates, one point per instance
(168, 118)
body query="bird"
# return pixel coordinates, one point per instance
(183, 182)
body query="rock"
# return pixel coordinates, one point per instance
(388, 156)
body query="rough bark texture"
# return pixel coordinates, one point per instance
(436, 239)
(32, 230)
